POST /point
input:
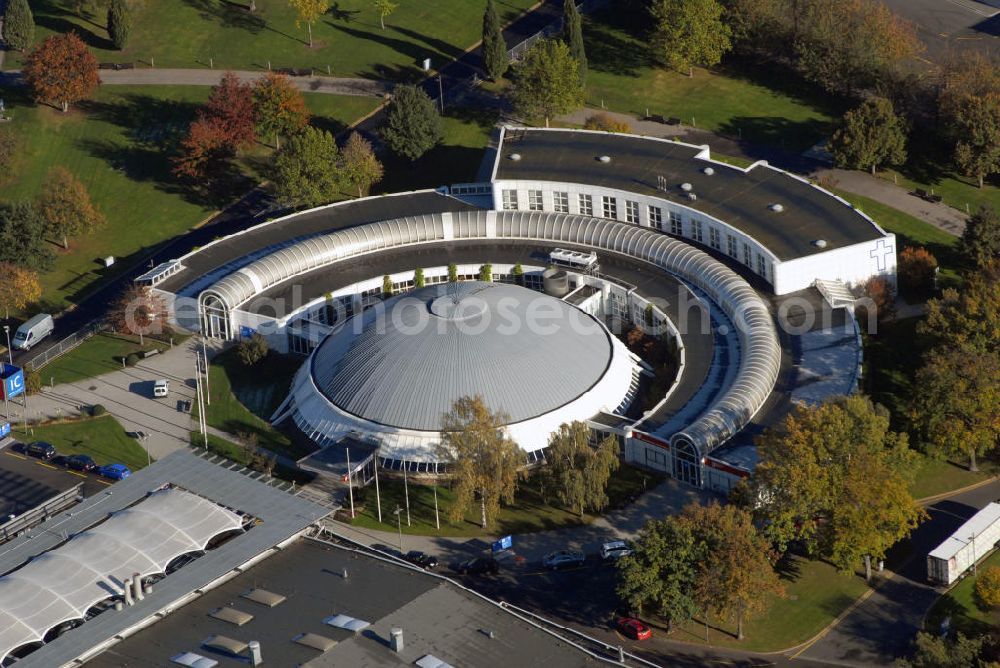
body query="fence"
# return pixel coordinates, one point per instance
(39, 514)
(64, 346)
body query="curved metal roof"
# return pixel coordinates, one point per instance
(760, 356)
(404, 365)
(63, 584)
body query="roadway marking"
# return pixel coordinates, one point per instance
(104, 482)
(82, 475)
(974, 9)
(829, 627)
(48, 466)
(14, 454)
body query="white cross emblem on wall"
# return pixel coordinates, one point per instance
(881, 251)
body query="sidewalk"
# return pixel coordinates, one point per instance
(942, 216)
(194, 77)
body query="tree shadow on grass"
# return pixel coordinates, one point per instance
(51, 16)
(403, 47)
(775, 131)
(339, 14)
(149, 120)
(449, 51)
(609, 50)
(228, 14)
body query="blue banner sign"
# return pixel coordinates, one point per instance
(5, 430)
(504, 543)
(13, 381)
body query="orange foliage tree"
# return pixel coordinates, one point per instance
(203, 151)
(19, 287)
(279, 106)
(230, 107)
(61, 70)
(916, 268)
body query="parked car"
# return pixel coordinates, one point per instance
(563, 559)
(614, 550)
(161, 388)
(81, 463)
(421, 559)
(33, 331)
(479, 566)
(630, 627)
(41, 449)
(114, 471)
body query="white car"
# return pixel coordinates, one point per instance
(614, 550)
(161, 388)
(563, 559)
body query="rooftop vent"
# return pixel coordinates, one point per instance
(777, 208)
(605, 159)
(709, 171)
(396, 639)
(692, 196)
(820, 243)
(515, 156)
(687, 187)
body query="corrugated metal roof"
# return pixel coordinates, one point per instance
(524, 352)
(979, 523)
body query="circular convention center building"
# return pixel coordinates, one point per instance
(521, 288)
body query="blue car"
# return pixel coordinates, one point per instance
(114, 471)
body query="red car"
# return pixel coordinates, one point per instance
(634, 629)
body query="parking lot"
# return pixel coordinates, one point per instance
(26, 482)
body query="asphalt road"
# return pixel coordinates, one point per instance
(26, 482)
(949, 27)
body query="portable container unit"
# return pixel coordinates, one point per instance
(973, 540)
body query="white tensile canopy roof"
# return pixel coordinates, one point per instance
(62, 584)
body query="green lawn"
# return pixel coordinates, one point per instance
(99, 354)
(760, 105)
(119, 145)
(958, 191)
(959, 604)
(936, 476)
(348, 39)
(102, 438)
(528, 514)
(242, 398)
(815, 594)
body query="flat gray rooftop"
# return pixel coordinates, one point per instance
(437, 618)
(240, 249)
(281, 516)
(738, 198)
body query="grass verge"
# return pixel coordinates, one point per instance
(529, 513)
(101, 353)
(100, 437)
(234, 452)
(959, 604)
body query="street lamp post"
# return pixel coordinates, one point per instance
(10, 351)
(399, 527)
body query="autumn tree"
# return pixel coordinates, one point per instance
(252, 350)
(18, 25)
(969, 318)
(384, 9)
(61, 70)
(359, 165)
(413, 124)
(308, 11)
(9, 150)
(755, 26)
(306, 170)
(988, 588)
(546, 82)
(977, 152)
(485, 461)
(660, 576)
(19, 287)
(22, 236)
(834, 477)
(688, 33)
(578, 471)
(981, 238)
(119, 23)
(494, 47)
(65, 208)
(964, 75)
(956, 405)
(736, 577)
(880, 42)
(279, 107)
(606, 122)
(916, 269)
(870, 136)
(230, 107)
(204, 152)
(138, 311)
(876, 302)
(572, 34)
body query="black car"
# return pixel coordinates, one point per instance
(479, 566)
(421, 559)
(81, 463)
(41, 449)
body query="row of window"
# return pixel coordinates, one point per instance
(609, 209)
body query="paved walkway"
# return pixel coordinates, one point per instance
(128, 396)
(193, 77)
(939, 215)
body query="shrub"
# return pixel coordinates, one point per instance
(916, 269)
(252, 350)
(32, 382)
(98, 410)
(131, 359)
(988, 588)
(486, 273)
(607, 123)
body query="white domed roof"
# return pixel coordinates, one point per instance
(405, 362)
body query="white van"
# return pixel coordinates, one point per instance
(33, 331)
(161, 388)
